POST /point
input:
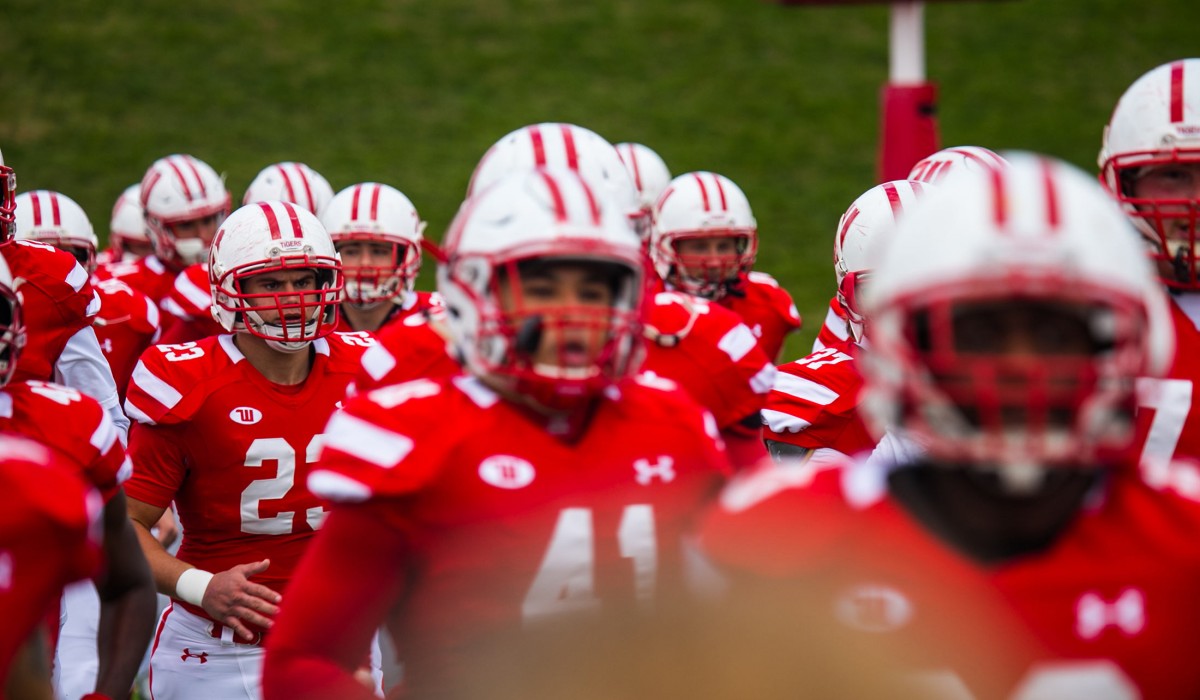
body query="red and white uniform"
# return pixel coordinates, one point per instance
(814, 403)
(1107, 610)
(717, 361)
(404, 351)
(233, 450)
(404, 307)
(836, 328)
(148, 275)
(187, 308)
(498, 523)
(57, 302)
(50, 530)
(1168, 419)
(766, 308)
(127, 324)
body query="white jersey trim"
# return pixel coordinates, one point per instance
(377, 361)
(738, 342)
(780, 422)
(158, 389)
(337, 487)
(366, 441)
(804, 389)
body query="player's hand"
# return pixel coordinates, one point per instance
(234, 601)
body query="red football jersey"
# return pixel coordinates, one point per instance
(72, 424)
(835, 329)
(766, 308)
(409, 349)
(233, 449)
(50, 534)
(499, 523)
(1168, 419)
(148, 275)
(57, 301)
(1107, 610)
(707, 350)
(814, 403)
(188, 307)
(127, 324)
(404, 307)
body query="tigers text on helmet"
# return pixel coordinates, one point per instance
(178, 192)
(128, 223)
(648, 170)
(374, 213)
(934, 167)
(569, 146)
(531, 218)
(57, 220)
(8, 203)
(275, 237)
(1037, 237)
(700, 207)
(290, 182)
(1155, 127)
(867, 220)
(12, 326)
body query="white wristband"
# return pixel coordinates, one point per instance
(191, 585)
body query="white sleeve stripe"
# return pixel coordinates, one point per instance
(836, 324)
(804, 389)
(201, 298)
(377, 361)
(738, 342)
(137, 414)
(77, 277)
(366, 441)
(337, 487)
(125, 471)
(172, 307)
(159, 390)
(780, 422)
(93, 306)
(152, 313)
(764, 381)
(105, 435)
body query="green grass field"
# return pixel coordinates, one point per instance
(784, 100)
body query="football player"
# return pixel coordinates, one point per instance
(814, 402)
(108, 620)
(648, 171)
(228, 428)
(1024, 554)
(1150, 161)
(704, 243)
(542, 496)
(127, 237)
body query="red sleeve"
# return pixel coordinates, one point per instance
(348, 579)
(158, 468)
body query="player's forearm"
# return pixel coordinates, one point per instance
(127, 604)
(164, 567)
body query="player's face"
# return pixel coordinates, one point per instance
(570, 303)
(271, 292)
(1176, 186)
(708, 258)
(203, 228)
(138, 249)
(370, 254)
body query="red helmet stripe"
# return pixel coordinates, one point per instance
(569, 144)
(539, 146)
(191, 162)
(187, 191)
(37, 208)
(55, 215)
(850, 217)
(148, 184)
(893, 196)
(354, 202)
(593, 204)
(630, 159)
(703, 192)
(287, 183)
(560, 205)
(721, 191)
(294, 216)
(999, 198)
(312, 203)
(1052, 214)
(272, 222)
(1177, 92)
(376, 191)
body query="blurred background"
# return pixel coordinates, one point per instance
(783, 100)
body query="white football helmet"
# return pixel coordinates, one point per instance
(869, 218)
(178, 189)
(703, 205)
(8, 204)
(290, 182)
(56, 219)
(273, 237)
(370, 211)
(128, 224)
(934, 167)
(12, 326)
(559, 145)
(1038, 234)
(532, 216)
(1155, 123)
(648, 170)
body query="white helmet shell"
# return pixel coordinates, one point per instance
(55, 219)
(290, 182)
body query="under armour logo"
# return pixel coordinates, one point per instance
(1127, 613)
(187, 654)
(663, 468)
